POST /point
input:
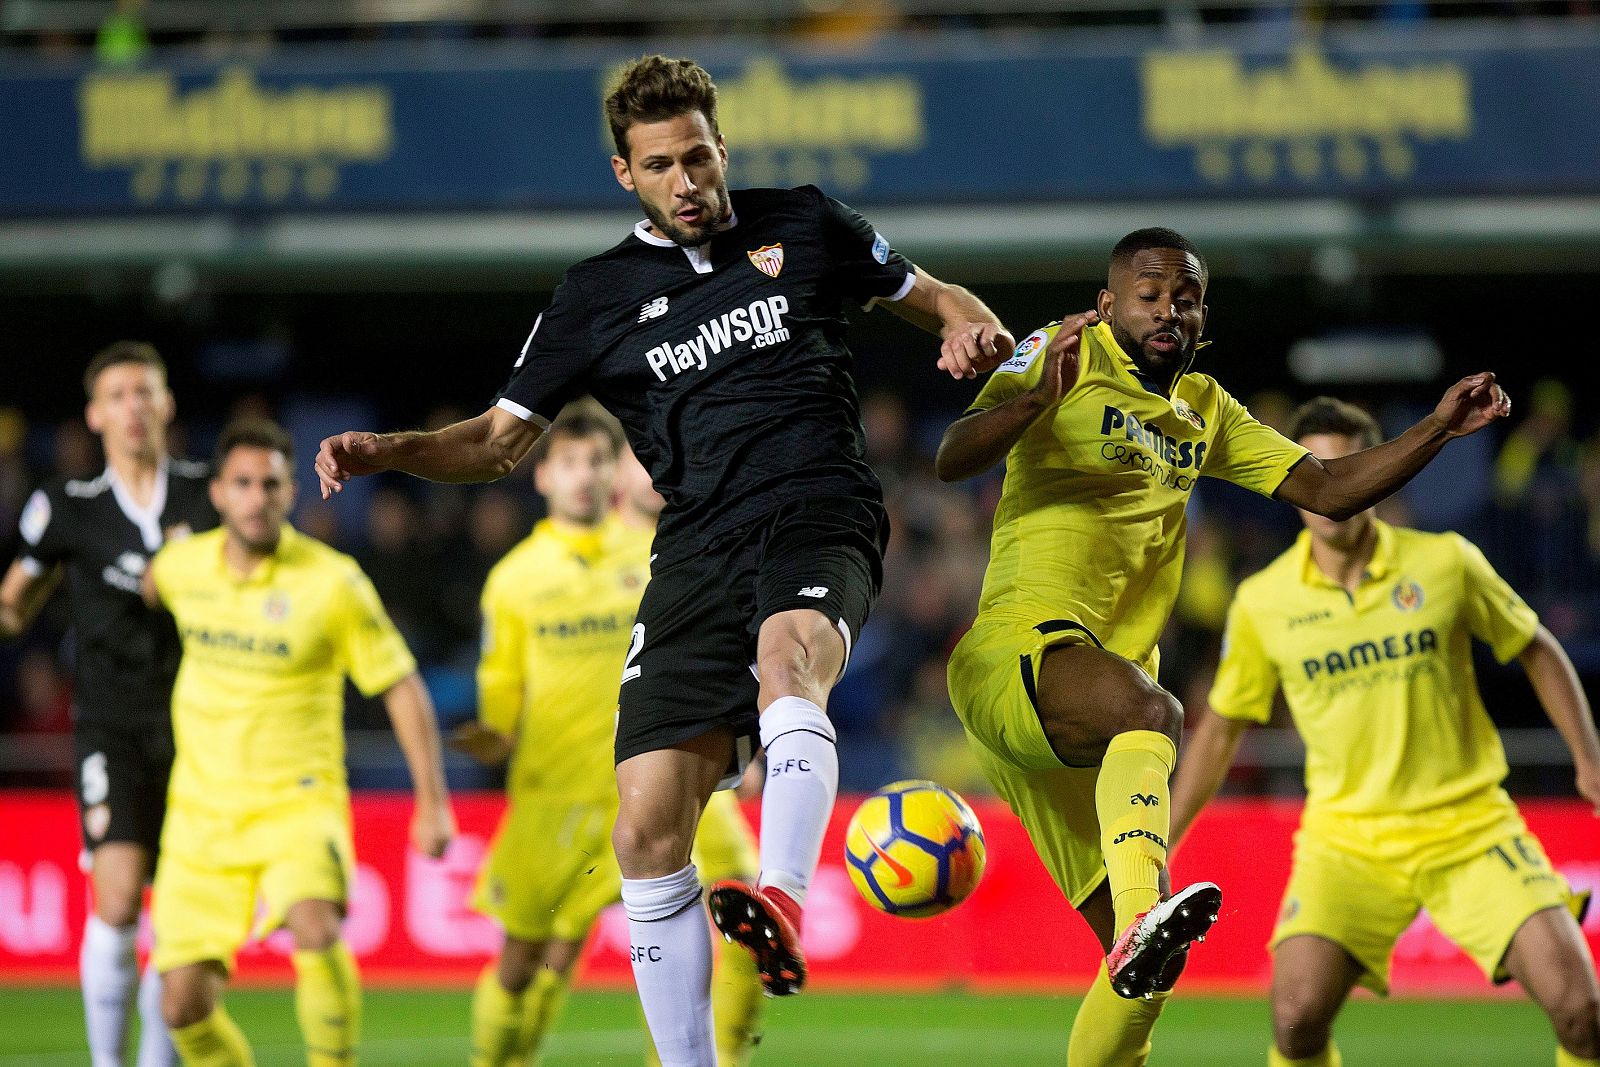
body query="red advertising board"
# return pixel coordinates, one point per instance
(409, 921)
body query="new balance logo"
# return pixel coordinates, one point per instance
(817, 591)
(653, 310)
(1149, 800)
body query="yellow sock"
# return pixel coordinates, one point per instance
(327, 1001)
(1110, 1031)
(507, 1027)
(215, 1041)
(737, 1004)
(1328, 1057)
(496, 1021)
(1131, 799)
(541, 1006)
(1567, 1059)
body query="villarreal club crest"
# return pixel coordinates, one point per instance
(914, 849)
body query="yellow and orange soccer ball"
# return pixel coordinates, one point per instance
(914, 849)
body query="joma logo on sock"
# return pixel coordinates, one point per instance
(1149, 800)
(1146, 834)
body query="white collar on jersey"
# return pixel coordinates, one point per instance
(148, 519)
(699, 256)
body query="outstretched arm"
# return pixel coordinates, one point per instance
(1340, 488)
(410, 710)
(1208, 752)
(1561, 695)
(22, 594)
(974, 340)
(479, 449)
(975, 442)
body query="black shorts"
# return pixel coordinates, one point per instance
(691, 667)
(122, 781)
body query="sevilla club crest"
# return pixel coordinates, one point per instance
(768, 259)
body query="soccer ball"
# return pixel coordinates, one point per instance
(914, 849)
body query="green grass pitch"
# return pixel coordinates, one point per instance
(42, 1028)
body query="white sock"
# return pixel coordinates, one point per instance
(671, 950)
(108, 970)
(802, 780)
(155, 1044)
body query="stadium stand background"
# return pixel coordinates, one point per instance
(1376, 256)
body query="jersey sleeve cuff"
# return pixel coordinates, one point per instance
(899, 294)
(507, 404)
(905, 287)
(1517, 645)
(1258, 716)
(1285, 471)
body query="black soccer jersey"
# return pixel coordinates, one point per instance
(126, 655)
(725, 363)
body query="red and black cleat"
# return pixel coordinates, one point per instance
(1138, 964)
(767, 922)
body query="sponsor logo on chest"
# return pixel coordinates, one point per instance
(760, 324)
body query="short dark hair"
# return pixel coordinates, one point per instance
(1324, 414)
(580, 419)
(1157, 237)
(252, 433)
(654, 89)
(117, 354)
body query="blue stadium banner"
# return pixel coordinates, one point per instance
(1368, 115)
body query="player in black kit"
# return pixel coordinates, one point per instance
(715, 333)
(100, 533)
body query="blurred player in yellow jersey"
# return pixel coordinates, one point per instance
(272, 623)
(1368, 631)
(1105, 428)
(558, 621)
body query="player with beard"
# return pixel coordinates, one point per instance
(1105, 428)
(715, 333)
(273, 623)
(100, 533)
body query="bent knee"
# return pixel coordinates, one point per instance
(1576, 1018)
(183, 1007)
(649, 850)
(1300, 1027)
(1155, 710)
(314, 926)
(798, 651)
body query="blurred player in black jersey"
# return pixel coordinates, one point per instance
(715, 333)
(100, 534)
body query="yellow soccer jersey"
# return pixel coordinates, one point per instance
(1090, 526)
(1380, 684)
(258, 706)
(558, 616)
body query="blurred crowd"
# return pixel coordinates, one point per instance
(127, 32)
(1530, 496)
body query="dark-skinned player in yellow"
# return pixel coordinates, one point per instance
(1105, 429)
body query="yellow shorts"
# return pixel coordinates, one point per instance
(1359, 881)
(724, 846)
(994, 674)
(214, 868)
(551, 870)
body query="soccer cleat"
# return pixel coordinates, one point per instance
(767, 922)
(1137, 963)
